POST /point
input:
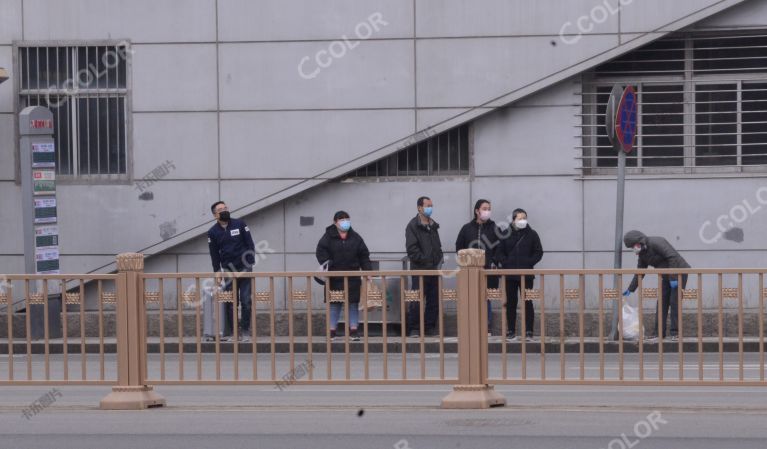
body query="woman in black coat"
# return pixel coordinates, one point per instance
(521, 250)
(342, 249)
(482, 233)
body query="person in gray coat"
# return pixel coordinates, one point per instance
(657, 252)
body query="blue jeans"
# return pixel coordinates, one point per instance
(335, 314)
(243, 297)
(489, 316)
(492, 282)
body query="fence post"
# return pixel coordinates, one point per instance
(472, 391)
(131, 392)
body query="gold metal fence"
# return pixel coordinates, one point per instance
(724, 354)
(168, 329)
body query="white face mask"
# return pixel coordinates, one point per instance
(484, 215)
(520, 224)
(637, 249)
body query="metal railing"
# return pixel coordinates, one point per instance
(161, 336)
(35, 351)
(399, 359)
(584, 354)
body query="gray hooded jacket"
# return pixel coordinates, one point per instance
(656, 252)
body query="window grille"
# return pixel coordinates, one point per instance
(86, 88)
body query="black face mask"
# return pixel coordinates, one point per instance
(224, 216)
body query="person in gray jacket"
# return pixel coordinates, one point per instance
(424, 249)
(657, 252)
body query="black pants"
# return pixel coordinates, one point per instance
(513, 287)
(431, 308)
(670, 301)
(243, 297)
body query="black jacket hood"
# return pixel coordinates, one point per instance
(633, 237)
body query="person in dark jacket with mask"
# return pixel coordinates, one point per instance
(657, 252)
(424, 249)
(343, 249)
(232, 251)
(520, 249)
(482, 233)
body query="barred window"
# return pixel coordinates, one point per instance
(702, 105)
(444, 154)
(753, 117)
(86, 88)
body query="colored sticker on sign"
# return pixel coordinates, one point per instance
(43, 182)
(43, 254)
(45, 210)
(47, 230)
(47, 260)
(43, 155)
(46, 236)
(44, 175)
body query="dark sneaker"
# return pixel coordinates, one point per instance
(354, 335)
(332, 334)
(511, 338)
(674, 338)
(529, 337)
(414, 334)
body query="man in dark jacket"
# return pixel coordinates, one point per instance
(424, 250)
(657, 252)
(519, 250)
(232, 250)
(343, 249)
(482, 233)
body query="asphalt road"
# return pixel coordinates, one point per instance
(339, 417)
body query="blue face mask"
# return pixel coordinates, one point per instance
(345, 225)
(427, 211)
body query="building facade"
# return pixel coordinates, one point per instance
(292, 110)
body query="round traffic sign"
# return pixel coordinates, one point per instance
(621, 118)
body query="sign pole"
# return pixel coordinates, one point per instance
(621, 123)
(618, 250)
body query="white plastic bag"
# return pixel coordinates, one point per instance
(631, 327)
